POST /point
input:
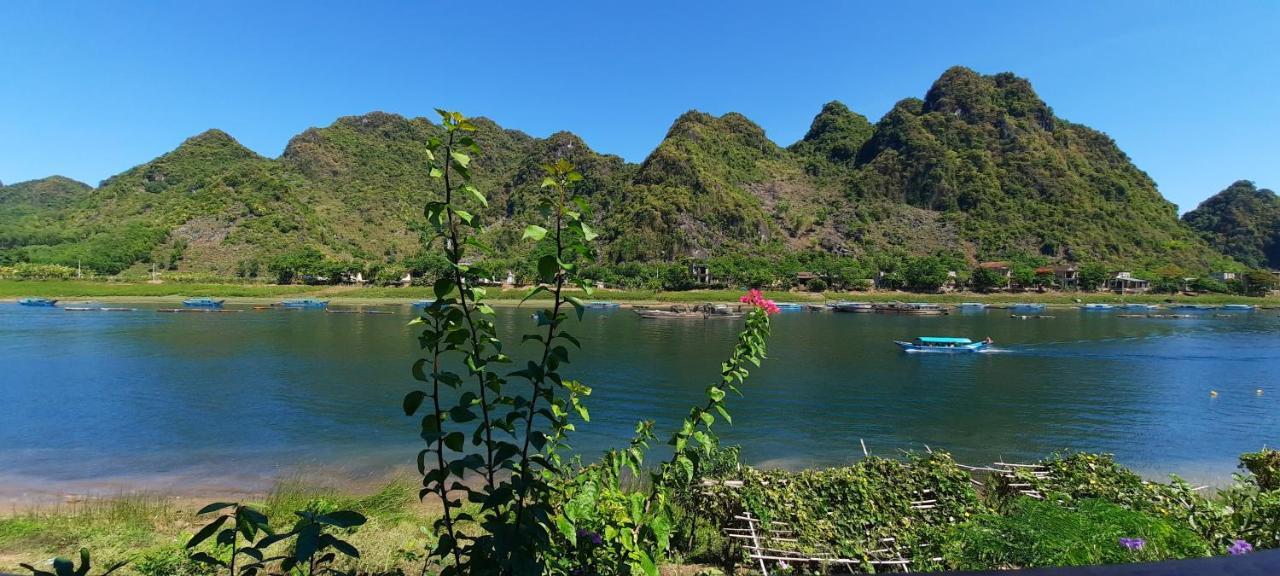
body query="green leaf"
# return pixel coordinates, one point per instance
(342, 518)
(475, 194)
(214, 507)
(534, 231)
(548, 266)
(454, 440)
(412, 401)
(460, 158)
(206, 532)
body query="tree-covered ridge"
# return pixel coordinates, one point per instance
(1243, 222)
(1019, 180)
(979, 169)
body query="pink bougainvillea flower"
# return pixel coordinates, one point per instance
(755, 298)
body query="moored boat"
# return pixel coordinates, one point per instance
(1192, 307)
(303, 303)
(1141, 306)
(705, 311)
(423, 303)
(913, 308)
(1027, 307)
(602, 305)
(1239, 307)
(43, 302)
(789, 307)
(1097, 307)
(203, 302)
(856, 307)
(943, 344)
(971, 306)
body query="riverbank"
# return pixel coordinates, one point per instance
(172, 292)
(1072, 509)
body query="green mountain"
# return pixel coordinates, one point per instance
(992, 158)
(1243, 222)
(980, 168)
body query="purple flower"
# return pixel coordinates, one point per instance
(1133, 543)
(1239, 547)
(584, 534)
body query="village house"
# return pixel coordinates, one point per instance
(1064, 277)
(1003, 269)
(1125, 283)
(1224, 276)
(701, 273)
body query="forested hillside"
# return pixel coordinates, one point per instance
(1243, 222)
(979, 169)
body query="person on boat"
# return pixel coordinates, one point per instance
(988, 341)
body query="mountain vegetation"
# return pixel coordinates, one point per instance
(1243, 222)
(980, 169)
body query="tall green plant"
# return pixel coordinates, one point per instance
(511, 469)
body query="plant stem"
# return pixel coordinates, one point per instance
(455, 253)
(557, 302)
(441, 488)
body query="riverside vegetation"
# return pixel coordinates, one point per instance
(501, 497)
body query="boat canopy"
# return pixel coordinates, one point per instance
(943, 340)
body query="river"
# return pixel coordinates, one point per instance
(101, 401)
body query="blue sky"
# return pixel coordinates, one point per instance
(1191, 90)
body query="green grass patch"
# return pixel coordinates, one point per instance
(1046, 533)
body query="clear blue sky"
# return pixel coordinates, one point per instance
(1191, 90)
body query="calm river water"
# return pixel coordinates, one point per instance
(97, 401)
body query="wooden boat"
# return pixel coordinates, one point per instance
(303, 303)
(913, 308)
(705, 311)
(946, 345)
(1192, 307)
(1027, 307)
(854, 307)
(202, 303)
(603, 305)
(43, 302)
(1140, 306)
(1097, 307)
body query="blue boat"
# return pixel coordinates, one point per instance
(44, 302)
(943, 345)
(1239, 307)
(1141, 306)
(423, 303)
(1027, 306)
(790, 307)
(202, 303)
(1097, 307)
(303, 303)
(971, 306)
(603, 305)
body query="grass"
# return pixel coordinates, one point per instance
(10, 289)
(151, 532)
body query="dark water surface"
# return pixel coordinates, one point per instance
(116, 401)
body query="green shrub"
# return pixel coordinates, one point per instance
(1265, 467)
(1075, 533)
